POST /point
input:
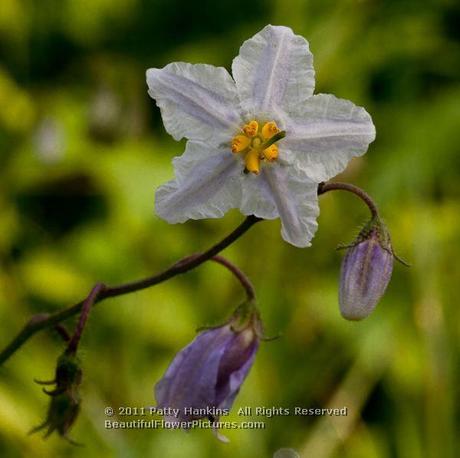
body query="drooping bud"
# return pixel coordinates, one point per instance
(65, 398)
(204, 378)
(366, 271)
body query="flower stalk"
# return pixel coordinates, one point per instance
(44, 321)
(86, 307)
(338, 186)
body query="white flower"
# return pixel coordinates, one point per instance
(260, 142)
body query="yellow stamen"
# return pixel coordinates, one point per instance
(251, 128)
(269, 129)
(240, 143)
(253, 142)
(252, 161)
(271, 153)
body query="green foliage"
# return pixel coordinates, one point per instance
(82, 149)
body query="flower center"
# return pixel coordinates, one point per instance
(257, 145)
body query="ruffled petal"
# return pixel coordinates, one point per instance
(198, 102)
(207, 184)
(327, 134)
(282, 190)
(274, 72)
(190, 380)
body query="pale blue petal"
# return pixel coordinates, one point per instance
(198, 102)
(282, 190)
(207, 184)
(326, 135)
(274, 72)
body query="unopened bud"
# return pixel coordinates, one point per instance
(208, 373)
(65, 398)
(366, 271)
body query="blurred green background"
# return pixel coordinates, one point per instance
(82, 149)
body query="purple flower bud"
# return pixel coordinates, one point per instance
(366, 272)
(205, 377)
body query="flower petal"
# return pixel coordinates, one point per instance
(285, 191)
(328, 133)
(207, 185)
(231, 381)
(198, 102)
(190, 380)
(274, 71)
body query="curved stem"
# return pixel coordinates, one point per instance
(239, 274)
(338, 186)
(183, 265)
(42, 321)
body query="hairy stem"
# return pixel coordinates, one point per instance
(43, 320)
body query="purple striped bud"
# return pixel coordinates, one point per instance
(204, 378)
(366, 272)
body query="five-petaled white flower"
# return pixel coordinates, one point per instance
(260, 142)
